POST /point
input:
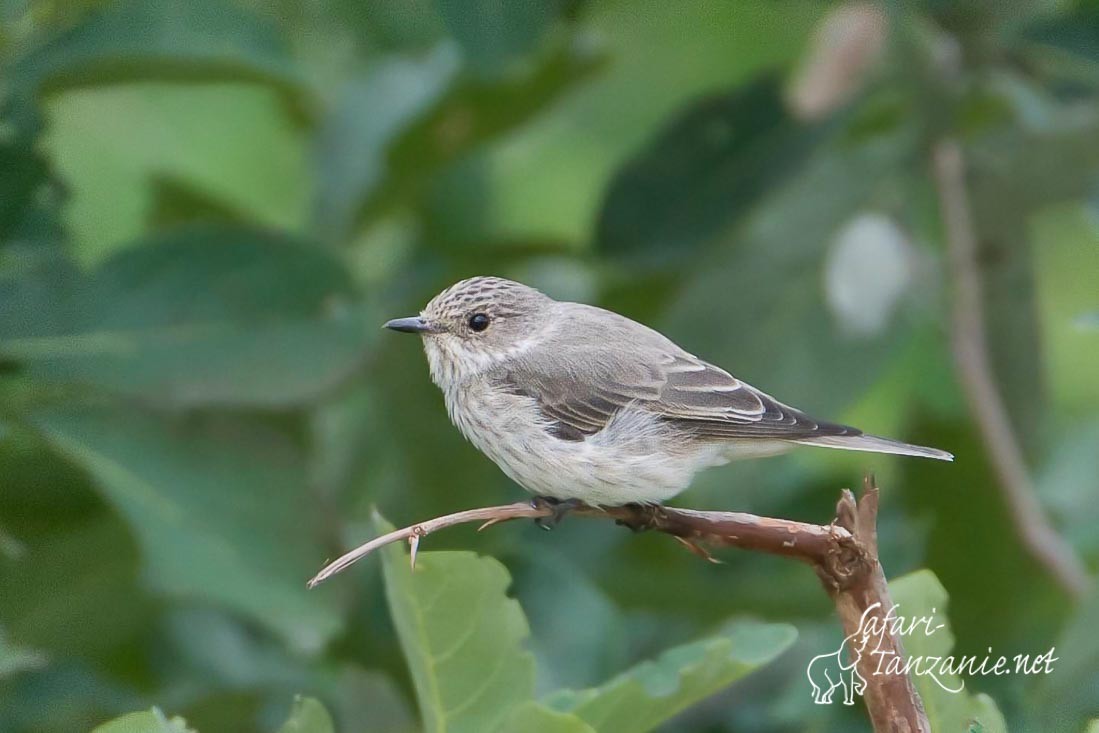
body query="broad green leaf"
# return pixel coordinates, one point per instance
(532, 717)
(369, 114)
(219, 508)
(704, 171)
(60, 595)
(159, 39)
(493, 34)
(545, 181)
(921, 595)
(1075, 31)
(404, 25)
(652, 692)
(462, 637)
(470, 112)
(121, 149)
(24, 174)
(150, 721)
(203, 315)
(307, 716)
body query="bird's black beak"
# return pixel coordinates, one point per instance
(416, 324)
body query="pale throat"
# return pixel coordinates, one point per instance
(451, 362)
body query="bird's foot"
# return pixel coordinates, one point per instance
(558, 508)
(643, 517)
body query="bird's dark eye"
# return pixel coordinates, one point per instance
(478, 322)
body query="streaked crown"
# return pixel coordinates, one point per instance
(495, 296)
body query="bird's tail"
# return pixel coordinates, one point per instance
(874, 444)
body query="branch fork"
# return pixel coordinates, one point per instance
(844, 555)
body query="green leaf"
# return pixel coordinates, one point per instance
(531, 717)
(149, 721)
(160, 39)
(469, 112)
(60, 596)
(704, 172)
(235, 146)
(402, 25)
(24, 173)
(1075, 31)
(307, 716)
(494, 34)
(218, 507)
(353, 149)
(920, 595)
(462, 637)
(652, 692)
(543, 182)
(203, 315)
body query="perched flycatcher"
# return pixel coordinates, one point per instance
(576, 403)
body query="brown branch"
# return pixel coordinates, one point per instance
(863, 603)
(969, 342)
(844, 555)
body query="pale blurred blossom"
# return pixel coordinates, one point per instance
(869, 267)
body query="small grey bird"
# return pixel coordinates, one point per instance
(576, 403)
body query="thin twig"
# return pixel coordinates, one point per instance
(489, 515)
(843, 553)
(969, 342)
(806, 542)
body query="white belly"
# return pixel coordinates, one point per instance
(631, 460)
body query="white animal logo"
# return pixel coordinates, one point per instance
(835, 669)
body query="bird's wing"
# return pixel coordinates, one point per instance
(711, 402)
(579, 396)
(579, 393)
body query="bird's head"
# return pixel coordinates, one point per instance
(476, 324)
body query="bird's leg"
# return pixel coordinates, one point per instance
(558, 507)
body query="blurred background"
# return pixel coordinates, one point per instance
(208, 208)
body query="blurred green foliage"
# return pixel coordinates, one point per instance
(208, 208)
